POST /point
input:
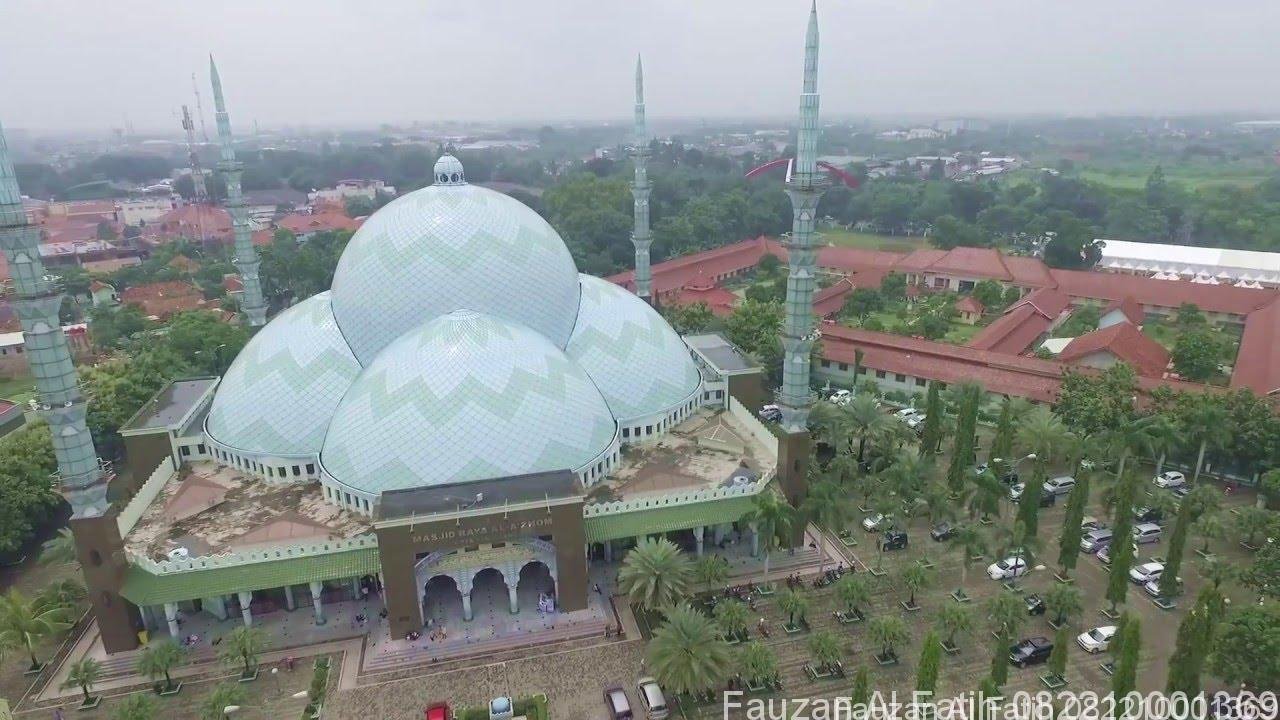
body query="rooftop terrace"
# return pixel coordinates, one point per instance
(706, 451)
(207, 508)
(171, 404)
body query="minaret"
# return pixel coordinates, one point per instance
(36, 298)
(804, 186)
(246, 258)
(640, 188)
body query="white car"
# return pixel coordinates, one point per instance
(907, 413)
(1152, 587)
(652, 699)
(1008, 568)
(1016, 490)
(1096, 640)
(1170, 479)
(841, 397)
(1146, 572)
(1059, 485)
(872, 523)
(1146, 533)
(915, 422)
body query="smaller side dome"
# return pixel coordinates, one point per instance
(448, 171)
(464, 397)
(277, 397)
(640, 364)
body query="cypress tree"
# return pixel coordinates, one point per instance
(1029, 503)
(1121, 544)
(1002, 443)
(861, 694)
(1000, 660)
(1177, 546)
(930, 661)
(931, 434)
(1058, 657)
(1125, 678)
(1069, 541)
(962, 455)
(1192, 647)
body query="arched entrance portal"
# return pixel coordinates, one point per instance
(488, 593)
(536, 586)
(442, 600)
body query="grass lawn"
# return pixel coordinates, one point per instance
(1191, 176)
(18, 389)
(869, 241)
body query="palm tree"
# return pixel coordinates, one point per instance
(756, 663)
(1205, 423)
(853, 592)
(1268, 487)
(954, 620)
(1007, 613)
(1218, 571)
(825, 649)
(887, 632)
(63, 593)
(656, 575)
(827, 506)
(135, 707)
(711, 571)
(970, 543)
(687, 653)
(905, 477)
(242, 647)
(1063, 601)
(1209, 526)
(830, 425)
(1041, 433)
(158, 660)
(84, 672)
(1143, 436)
(60, 550)
(731, 615)
(793, 604)
(23, 621)
(866, 421)
(984, 500)
(1251, 521)
(914, 577)
(223, 695)
(938, 500)
(772, 519)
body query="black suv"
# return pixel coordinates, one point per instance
(1147, 515)
(1035, 605)
(943, 531)
(1031, 651)
(1009, 478)
(893, 540)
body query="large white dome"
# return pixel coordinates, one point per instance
(452, 246)
(640, 364)
(278, 395)
(467, 396)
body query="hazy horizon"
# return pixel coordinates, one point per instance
(82, 67)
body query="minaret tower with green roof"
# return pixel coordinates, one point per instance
(805, 186)
(640, 188)
(246, 255)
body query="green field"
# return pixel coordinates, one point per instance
(869, 241)
(1190, 177)
(18, 389)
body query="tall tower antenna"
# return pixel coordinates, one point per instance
(199, 190)
(246, 256)
(640, 189)
(805, 186)
(199, 108)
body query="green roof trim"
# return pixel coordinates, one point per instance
(667, 519)
(144, 588)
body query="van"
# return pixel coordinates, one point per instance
(1095, 540)
(1146, 533)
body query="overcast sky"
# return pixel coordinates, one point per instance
(87, 64)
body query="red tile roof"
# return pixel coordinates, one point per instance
(973, 262)
(318, 222)
(1130, 307)
(1023, 323)
(231, 283)
(189, 220)
(970, 304)
(830, 300)
(1161, 293)
(163, 299)
(1125, 342)
(1258, 359)
(674, 274)
(919, 260)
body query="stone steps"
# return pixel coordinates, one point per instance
(486, 651)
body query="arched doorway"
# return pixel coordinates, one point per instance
(535, 583)
(441, 601)
(488, 594)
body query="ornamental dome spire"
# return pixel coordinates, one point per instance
(448, 171)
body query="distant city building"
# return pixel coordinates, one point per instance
(369, 189)
(1202, 265)
(143, 211)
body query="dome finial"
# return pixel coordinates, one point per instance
(448, 171)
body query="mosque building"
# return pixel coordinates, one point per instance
(461, 408)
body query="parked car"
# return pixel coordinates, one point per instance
(907, 413)
(1096, 640)
(439, 711)
(1104, 555)
(1047, 499)
(1144, 514)
(1170, 479)
(771, 413)
(1059, 485)
(942, 531)
(1146, 572)
(1031, 651)
(893, 540)
(652, 699)
(1181, 491)
(916, 422)
(619, 707)
(1146, 533)
(1152, 587)
(1009, 478)
(1035, 604)
(841, 397)
(1091, 523)
(1008, 568)
(1095, 540)
(875, 521)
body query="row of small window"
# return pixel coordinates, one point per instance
(347, 500)
(663, 425)
(185, 450)
(599, 470)
(270, 471)
(11, 350)
(880, 374)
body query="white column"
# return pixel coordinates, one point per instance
(512, 596)
(717, 534)
(288, 598)
(466, 605)
(698, 532)
(171, 615)
(355, 588)
(316, 588)
(382, 591)
(608, 551)
(755, 542)
(246, 599)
